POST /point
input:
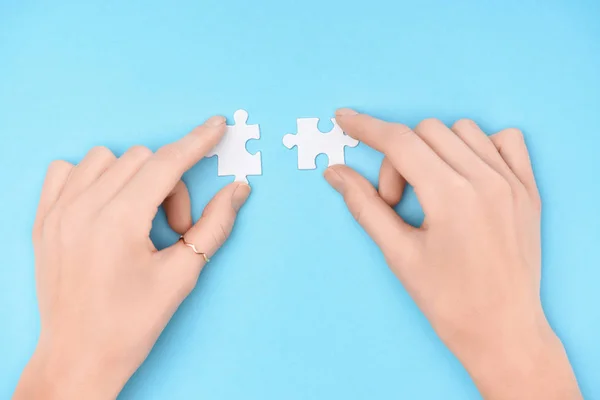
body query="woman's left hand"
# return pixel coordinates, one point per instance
(105, 293)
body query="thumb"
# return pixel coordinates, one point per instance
(180, 265)
(395, 238)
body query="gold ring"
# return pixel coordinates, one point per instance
(193, 247)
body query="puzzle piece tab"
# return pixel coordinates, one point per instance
(311, 142)
(234, 159)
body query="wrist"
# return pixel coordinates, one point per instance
(529, 363)
(54, 374)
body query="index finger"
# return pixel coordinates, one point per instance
(159, 175)
(408, 153)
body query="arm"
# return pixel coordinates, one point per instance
(474, 266)
(105, 292)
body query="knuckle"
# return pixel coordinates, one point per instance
(464, 123)
(429, 123)
(58, 165)
(140, 152)
(58, 169)
(515, 134)
(102, 152)
(509, 137)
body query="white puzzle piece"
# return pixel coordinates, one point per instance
(311, 142)
(231, 150)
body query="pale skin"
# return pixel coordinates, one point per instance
(473, 268)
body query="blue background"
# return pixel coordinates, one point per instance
(299, 304)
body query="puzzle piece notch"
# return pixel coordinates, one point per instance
(233, 158)
(311, 142)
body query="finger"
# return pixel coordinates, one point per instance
(511, 146)
(179, 265)
(481, 145)
(159, 175)
(93, 165)
(451, 148)
(56, 179)
(391, 183)
(118, 174)
(395, 238)
(407, 152)
(178, 209)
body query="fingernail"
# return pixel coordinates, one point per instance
(240, 195)
(215, 121)
(335, 179)
(345, 112)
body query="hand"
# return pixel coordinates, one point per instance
(105, 293)
(474, 265)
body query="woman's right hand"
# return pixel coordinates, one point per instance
(474, 265)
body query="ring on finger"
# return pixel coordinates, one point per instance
(193, 247)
